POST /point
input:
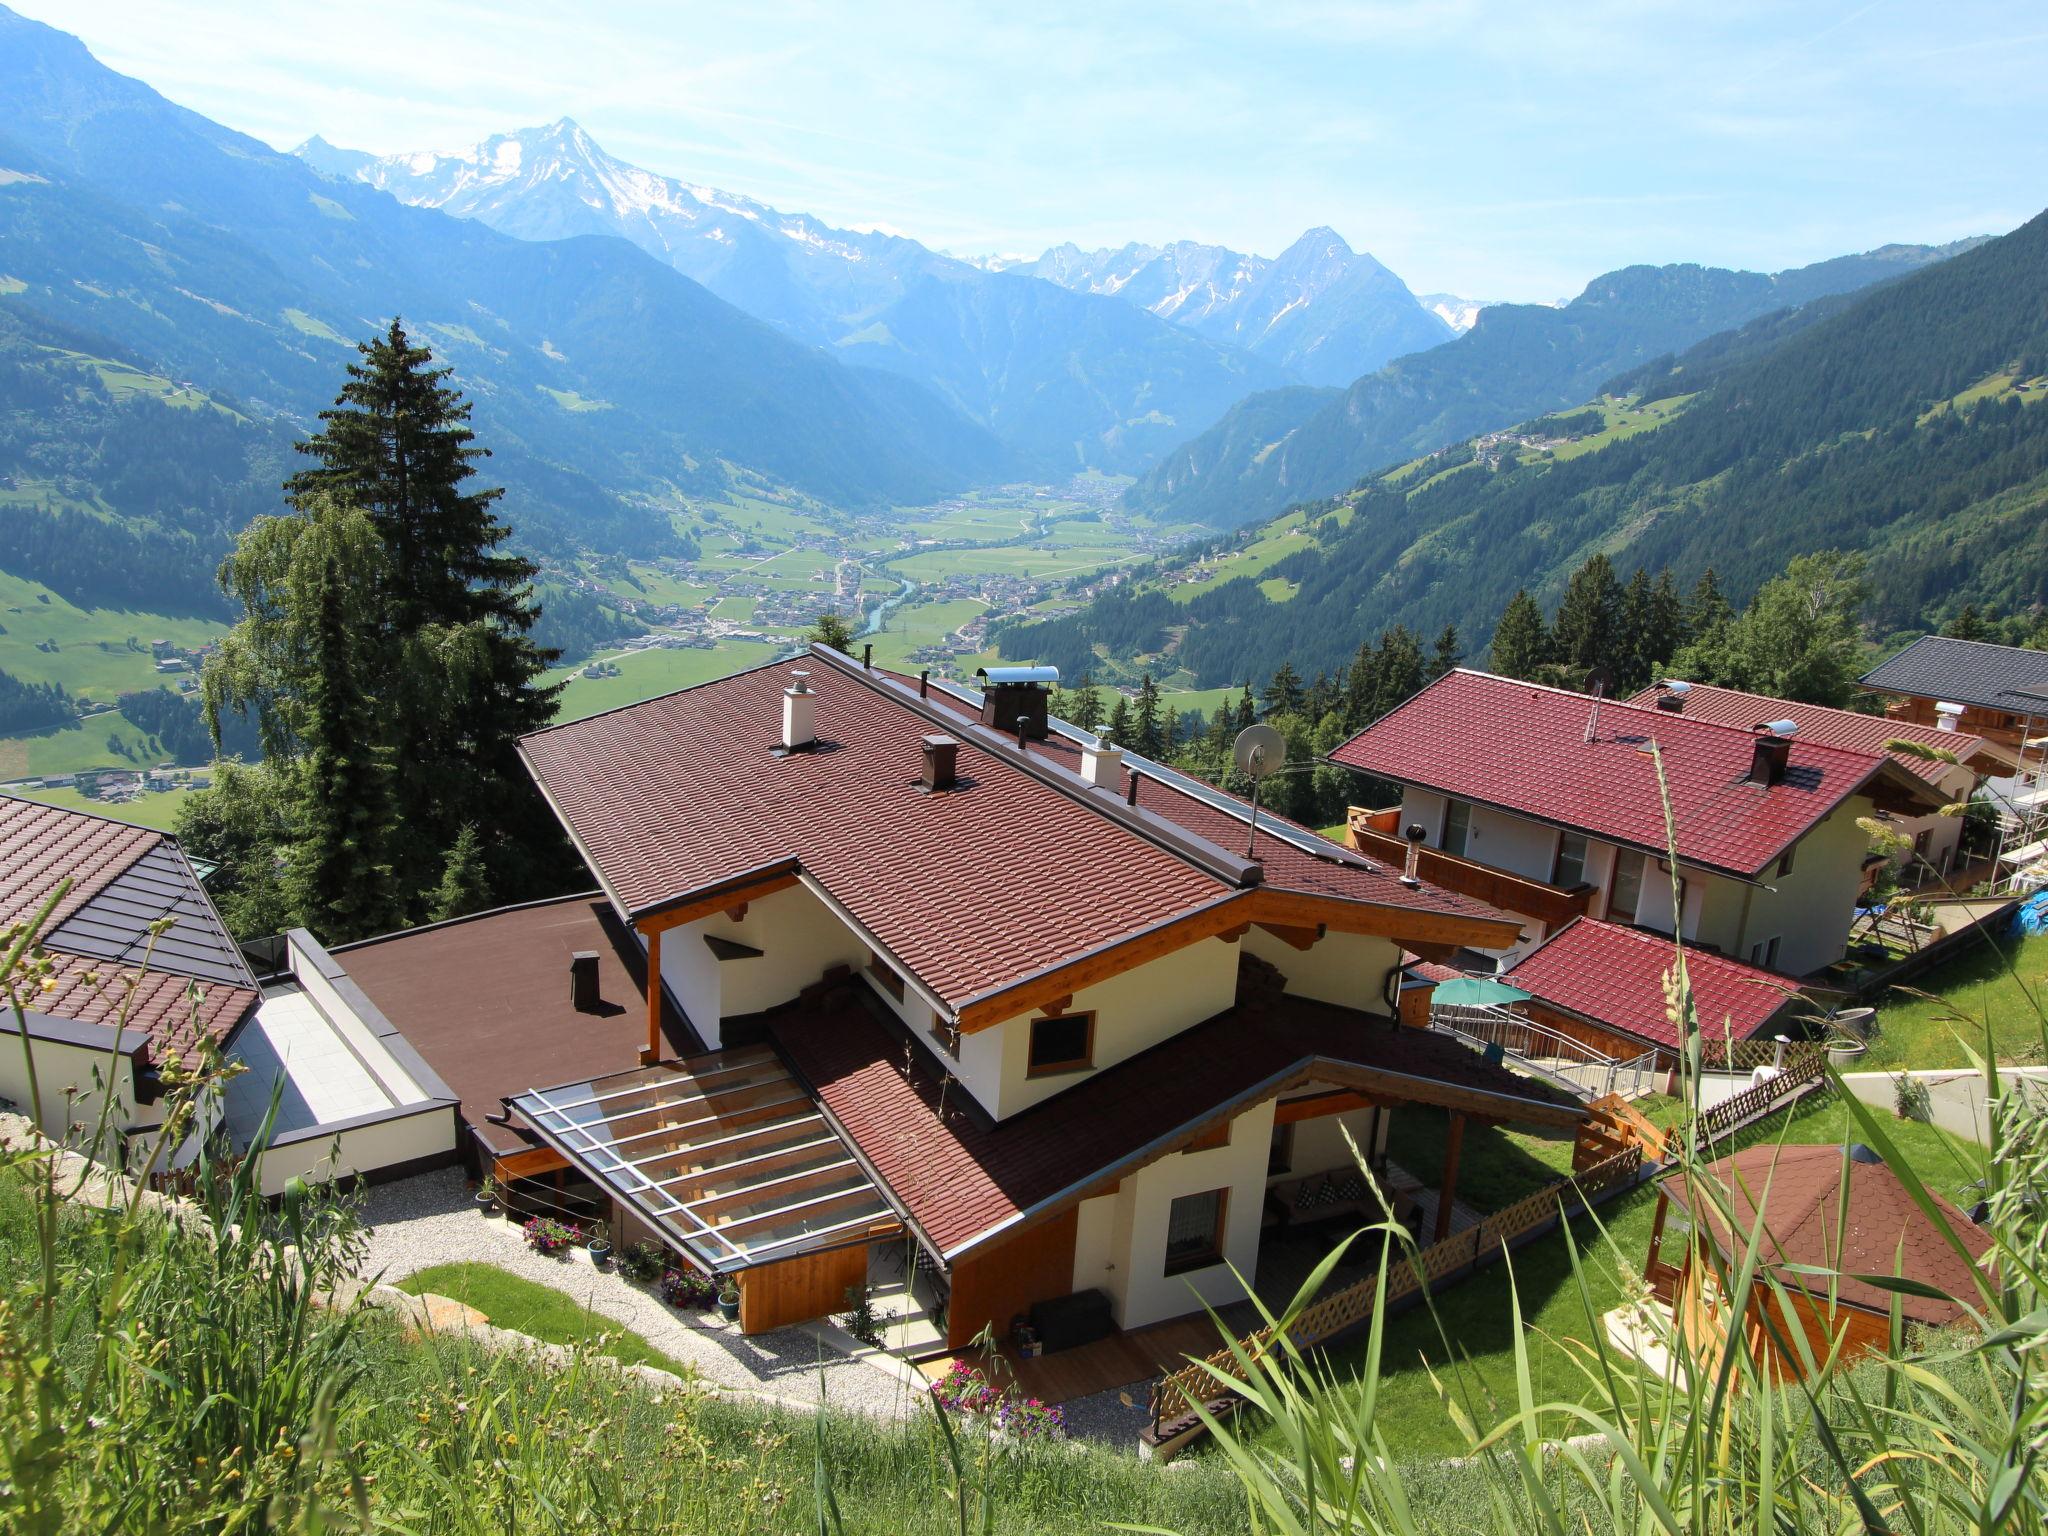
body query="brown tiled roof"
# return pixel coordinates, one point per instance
(1877, 1230)
(1829, 727)
(961, 1179)
(1325, 869)
(1615, 976)
(125, 880)
(1524, 748)
(970, 890)
(485, 1000)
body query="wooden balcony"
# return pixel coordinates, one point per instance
(1376, 834)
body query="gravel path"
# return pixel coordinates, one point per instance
(431, 1219)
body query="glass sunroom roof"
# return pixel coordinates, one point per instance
(724, 1152)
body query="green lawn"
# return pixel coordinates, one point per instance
(1994, 984)
(529, 1307)
(95, 652)
(1477, 1315)
(647, 674)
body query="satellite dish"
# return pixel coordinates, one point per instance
(1599, 681)
(1259, 750)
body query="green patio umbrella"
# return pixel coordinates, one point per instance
(1476, 992)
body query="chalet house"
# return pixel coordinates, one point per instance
(1935, 837)
(1827, 1215)
(145, 972)
(879, 961)
(1997, 693)
(1546, 803)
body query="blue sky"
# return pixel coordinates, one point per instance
(1499, 151)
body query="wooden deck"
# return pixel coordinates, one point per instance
(1132, 1360)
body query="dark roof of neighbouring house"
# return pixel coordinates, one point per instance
(485, 1001)
(1523, 748)
(1020, 869)
(1614, 976)
(1817, 722)
(962, 1180)
(188, 980)
(1876, 1230)
(2002, 677)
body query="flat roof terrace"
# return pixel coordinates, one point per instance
(486, 1001)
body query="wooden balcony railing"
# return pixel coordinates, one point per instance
(1376, 834)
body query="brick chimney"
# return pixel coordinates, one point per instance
(583, 981)
(941, 763)
(1772, 752)
(1671, 695)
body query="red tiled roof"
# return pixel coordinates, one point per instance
(160, 1008)
(1615, 976)
(971, 890)
(961, 1179)
(1829, 727)
(1521, 747)
(45, 844)
(1876, 1230)
(125, 880)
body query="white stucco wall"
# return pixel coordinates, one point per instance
(1134, 1272)
(360, 1148)
(1349, 969)
(61, 1067)
(1519, 846)
(1810, 910)
(1419, 806)
(1135, 1010)
(799, 937)
(1319, 1144)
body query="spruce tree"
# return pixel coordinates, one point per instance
(1968, 625)
(1708, 611)
(1446, 654)
(1087, 704)
(1145, 719)
(1320, 698)
(830, 628)
(1665, 629)
(1631, 649)
(1588, 619)
(1119, 730)
(1247, 708)
(1399, 670)
(339, 881)
(1521, 641)
(1283, 695)
(1361, 687)
(397, 445)
(464, 886)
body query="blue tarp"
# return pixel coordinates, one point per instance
(2032, 916)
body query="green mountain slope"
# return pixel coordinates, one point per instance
(1907, 423)
(607, 381)
(1517, 361)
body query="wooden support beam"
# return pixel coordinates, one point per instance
(1299, 938)
(651, 1052)
(1232, 935)
(738, 914)
(527, 1165)
(1453, 1144)
(724, 899)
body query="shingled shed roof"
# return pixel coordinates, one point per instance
(125, 880)
(1017, 870)
(1614, 976)
(1871, 1227)
(1830, 727)
(963, 1181)
(2002, 677)
(1583, 763)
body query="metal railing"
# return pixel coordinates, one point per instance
(1543, 1052)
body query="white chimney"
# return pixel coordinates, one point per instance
(799, 713)
(1945, 715)
(1102, 764)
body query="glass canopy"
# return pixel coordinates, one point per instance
(725, 1153)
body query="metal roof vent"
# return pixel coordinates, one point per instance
(1415, 834)
(1772, 752)
(1946, 715)
(941, 763)
(1671, 695)
(1018, 699)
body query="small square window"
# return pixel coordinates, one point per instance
(1062, 1043)
(1194, 1231)
(1785, 861)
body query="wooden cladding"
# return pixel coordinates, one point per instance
(1550, 905)
(799, 1289)
(992, 1287)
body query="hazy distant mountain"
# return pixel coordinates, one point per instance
(604, 381)
(1322, 311)
(1455, 312)
(1517, 361)
(840, 288)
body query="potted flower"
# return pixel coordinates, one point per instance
(487, 1196)
(544, 1234)
(641, 1262)
(729, 1300)
(685, 1287)
(600, 1245)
